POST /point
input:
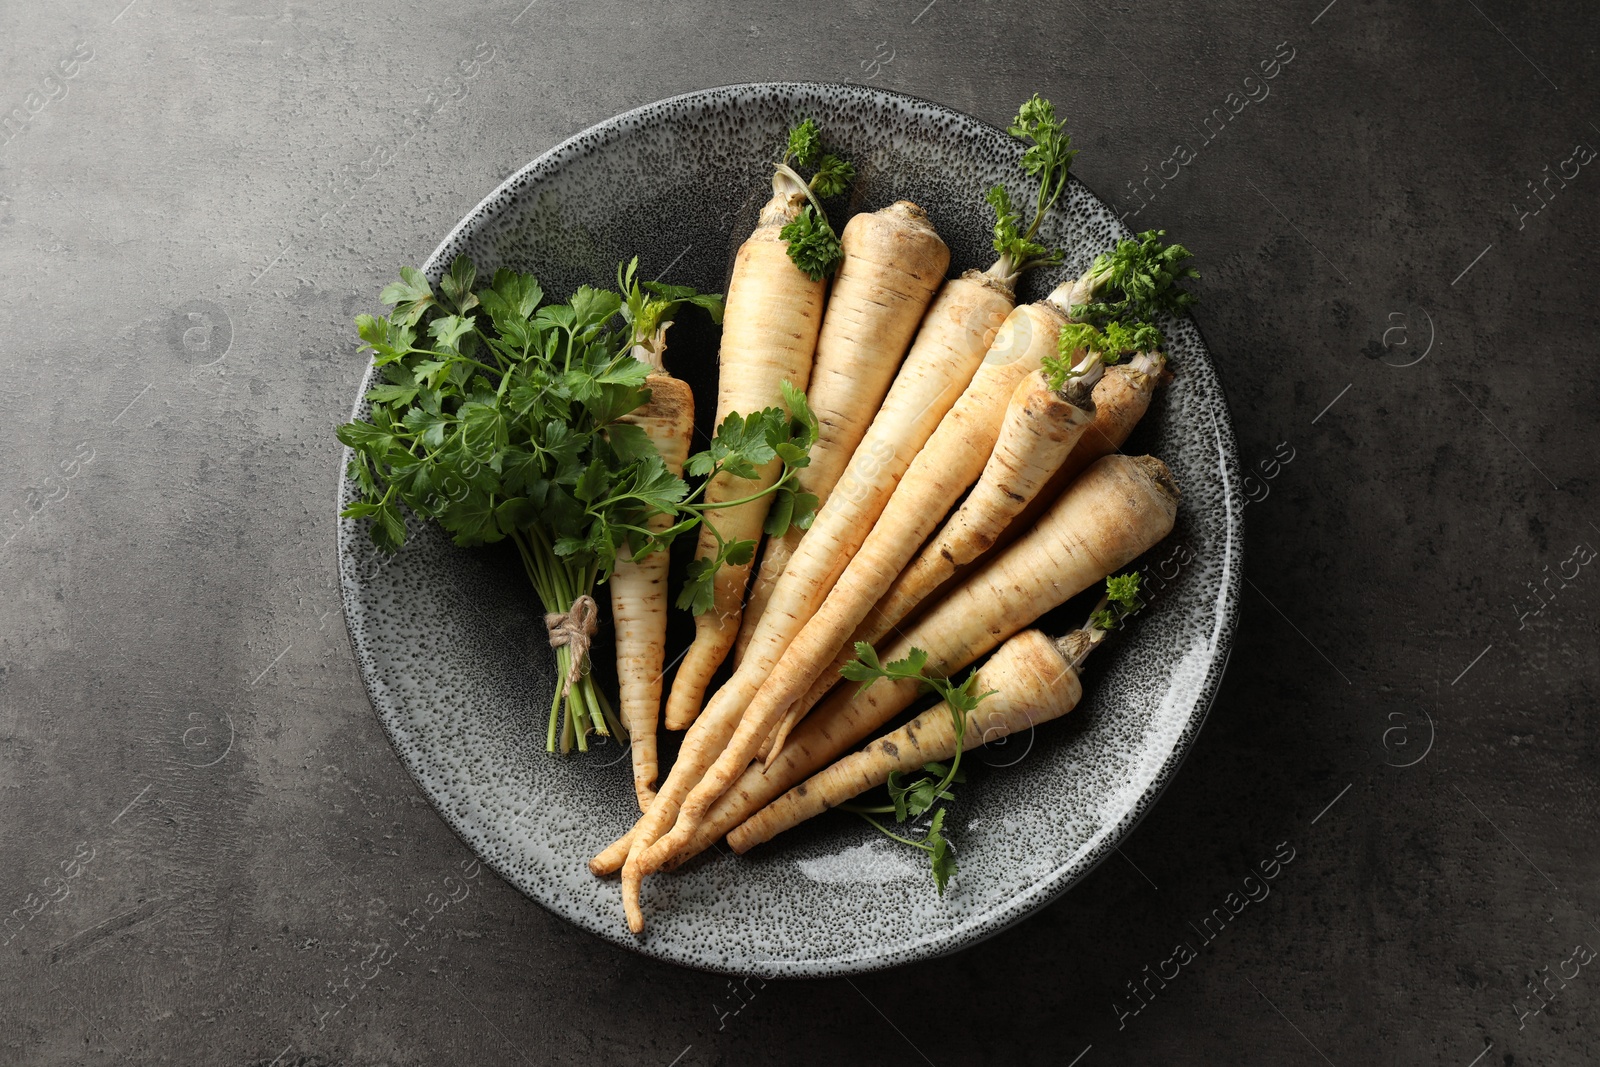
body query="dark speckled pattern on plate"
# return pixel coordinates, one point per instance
(442, 634)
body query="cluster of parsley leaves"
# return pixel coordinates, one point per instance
(909, 800)
(1048, 160)
(743, 444)
(1121, 600)
(1134, 284)
(499, 416)
(813, 245)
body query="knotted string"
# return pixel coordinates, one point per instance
(574, 629)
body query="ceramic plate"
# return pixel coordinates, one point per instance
(450, 640)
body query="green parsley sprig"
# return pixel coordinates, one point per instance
(497, 417)
(1119, 603)
(911, 799)
(1048, 160)
(813, 245)
(742, 444)
(1143, 277)
(1104, 348)
(1135, 283)
(1121, 600)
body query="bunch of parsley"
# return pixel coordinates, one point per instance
(498, 418)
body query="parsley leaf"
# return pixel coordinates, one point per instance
(813, 245)
(1109, 345)
(940, 856)
(833, 176)
(1050, 154)
(1139, 281)
(1009, 240)
(1121, 600)
(805, 141)
(1048, 160)
(457, 285)
(411, 296)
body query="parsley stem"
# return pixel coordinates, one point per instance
(884, 829)
(458, 357)
(744, 499)
(805, 187)
(863, 809)
(788, 476)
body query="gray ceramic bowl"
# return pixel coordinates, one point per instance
(443, 635)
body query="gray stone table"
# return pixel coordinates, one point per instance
(204, 835)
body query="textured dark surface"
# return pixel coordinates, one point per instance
(177, 590)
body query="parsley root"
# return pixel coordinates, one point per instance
(639, 583)
(893, 264)
(769, 336)
(1121, 398)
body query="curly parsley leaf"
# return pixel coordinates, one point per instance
(1009, 239)
(833, 176)
(1050, 154)
(1121, 601)
(805, 141)
(1139, 280)
(813, 246)
(1108, 346)
(1048, 160)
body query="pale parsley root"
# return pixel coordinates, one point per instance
(498, 417)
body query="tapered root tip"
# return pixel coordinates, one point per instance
(631, 879)
(741, 839)
(611, 860)
(662, 851)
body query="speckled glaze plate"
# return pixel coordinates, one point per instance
(450, 640)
